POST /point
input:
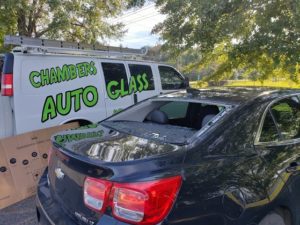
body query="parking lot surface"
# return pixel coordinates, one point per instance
(22, 213)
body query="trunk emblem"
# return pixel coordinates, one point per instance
(59, 173)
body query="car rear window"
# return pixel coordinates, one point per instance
(168, 121)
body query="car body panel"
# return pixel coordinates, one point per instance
(228, 178)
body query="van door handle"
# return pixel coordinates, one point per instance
(135, 99)
(292, 168)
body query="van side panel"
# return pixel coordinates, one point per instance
(6, 117)
(50, 90)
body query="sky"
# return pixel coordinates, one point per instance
(139, 23)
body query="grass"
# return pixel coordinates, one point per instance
(248, 83)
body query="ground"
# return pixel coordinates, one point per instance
(22, 213)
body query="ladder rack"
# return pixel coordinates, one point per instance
(44, 46)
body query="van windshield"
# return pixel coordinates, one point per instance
(164, 120)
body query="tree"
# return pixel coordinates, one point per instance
(253, 34)
(72, 20)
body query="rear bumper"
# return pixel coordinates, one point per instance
(50, 213)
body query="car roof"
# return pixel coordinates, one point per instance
(229, 95)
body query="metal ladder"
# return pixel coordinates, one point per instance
(44, 46)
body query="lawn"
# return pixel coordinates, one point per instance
(243, 83)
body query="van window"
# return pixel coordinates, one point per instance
(115, 72)
(170, 78)
(137, 70)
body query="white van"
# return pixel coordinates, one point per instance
(44, 86)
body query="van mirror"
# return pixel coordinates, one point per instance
(186, 82)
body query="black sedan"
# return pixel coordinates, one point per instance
(218, 156)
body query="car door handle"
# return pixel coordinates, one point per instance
(293, 167)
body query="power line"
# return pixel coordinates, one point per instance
(134, 12)
(142, 18)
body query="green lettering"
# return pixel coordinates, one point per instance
(93, 69)
(49, 110)
(132, 85)
(62, 74)
(81, 70)
(146, 83)
(76, 94)
(32, 76)
(44, 77)
(53, 77)
(123, 91)
(72, 70)
(113, 94)
(63, 109)
(139, 80)
(92, 91)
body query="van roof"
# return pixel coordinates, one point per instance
(18, 52)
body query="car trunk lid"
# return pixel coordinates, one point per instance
(104, 154)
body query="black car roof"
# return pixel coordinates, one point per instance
(230, 95)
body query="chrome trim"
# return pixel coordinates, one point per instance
(258, 133)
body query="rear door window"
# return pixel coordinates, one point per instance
(282, 121)
(269, 132)
(143, 76)
(170, 78)
(115, 78)
(286, 113)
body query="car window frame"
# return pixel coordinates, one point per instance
(262, 120)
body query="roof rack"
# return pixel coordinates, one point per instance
(37, 45)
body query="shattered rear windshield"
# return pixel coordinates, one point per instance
(162, 132)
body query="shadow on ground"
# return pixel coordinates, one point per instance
(22, 213)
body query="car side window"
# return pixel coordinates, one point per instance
(269, 131)
(286, 113)
(140, 73)
(175, 110)
(115, 72)
(170, 78)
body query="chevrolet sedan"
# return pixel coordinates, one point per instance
(216, 156)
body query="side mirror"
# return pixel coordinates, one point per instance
(186, 82)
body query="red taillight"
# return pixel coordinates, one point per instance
(142, 203)
(7, 85)
(96, 193)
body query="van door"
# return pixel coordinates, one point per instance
(171, 79)
(142, 82)
(50, 90)
(117, 95)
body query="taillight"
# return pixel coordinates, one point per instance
(96, 193)
(7, 85)
(141, 203)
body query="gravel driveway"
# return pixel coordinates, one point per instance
(22, 213)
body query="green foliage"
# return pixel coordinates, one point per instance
(258, 38)
(71, 20)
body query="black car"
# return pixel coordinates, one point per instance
(198, 157)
